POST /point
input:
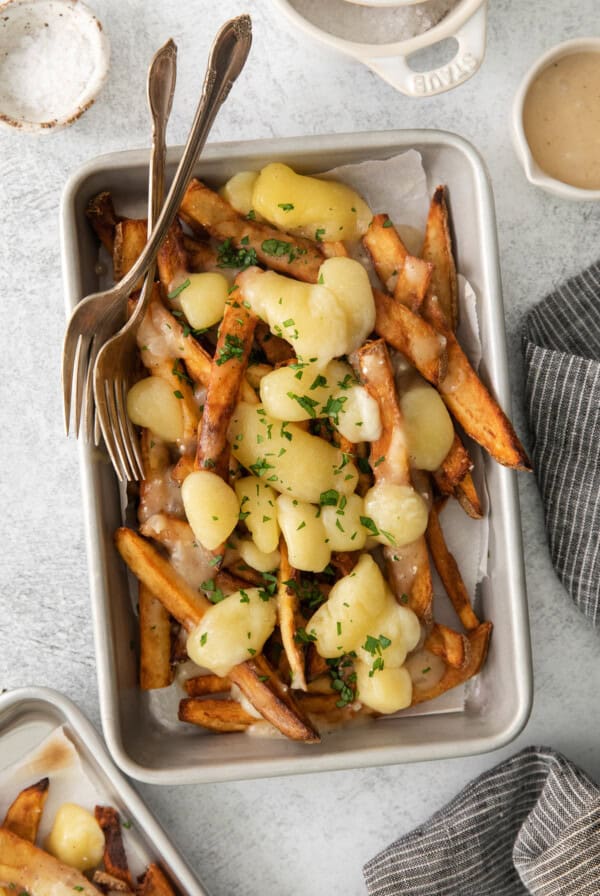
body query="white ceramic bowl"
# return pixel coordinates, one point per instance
(54, 58)
(466, 22)
(533, 172)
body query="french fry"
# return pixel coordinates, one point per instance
(172, 260)
(182, 601)
(261, 684)
(228, 370)
(115, 859)
(316, 665)
(204, 209)
(110, 884)
(472, 405)
(276, 349)
(453, 647)
(200, 256)
(220, 716)
(25, 813)
(155, 642)
(130, 239)
(270, 697)
(201, 685)
(478, 641)
(386, 249)
(410, 334)
(288, 616)
(437, 249)
(183, 468)
(466, 495)
(319, 703)
(172, 372)
(448, 570)
(100, 212)
(413, 282)
(408, 566)
(454, 468)
(154, 883)
(36, 872)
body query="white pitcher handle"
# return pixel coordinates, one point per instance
(471, 38)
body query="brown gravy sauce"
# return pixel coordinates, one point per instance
(561, 118)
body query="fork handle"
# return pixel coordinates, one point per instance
(227, 57)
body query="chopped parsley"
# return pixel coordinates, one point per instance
(233, 348)
(333, 407)
(179, 289)
(178, 394)
(301, 636)
(285, 206)
(343, 680)
(319, 234)
(279, 248)
(388, 223)
(329, 498)
(261, 466)
(308, 404)
(215, 595)
(229, 257)
(368, 523)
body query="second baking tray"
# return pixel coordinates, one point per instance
(498, 701)
(29, 715)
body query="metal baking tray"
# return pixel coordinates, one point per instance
(498, 702)
(29, 715)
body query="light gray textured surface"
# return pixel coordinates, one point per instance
(310, 834)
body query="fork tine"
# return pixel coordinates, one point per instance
(97, 428)
(89, 405)
(81, 374)
(105, 411)
(70, 355)
(128, 436)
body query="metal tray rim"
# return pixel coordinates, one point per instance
(353, 758)
(85, 732)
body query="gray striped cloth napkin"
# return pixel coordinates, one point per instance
(529, 826)
(562, 385)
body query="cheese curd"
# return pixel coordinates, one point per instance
(349, 281)
(309, 206)
(238, 191)
(399, 513)
(393, 634)
(257, 559)
(203, 300)
(152, 403)
(76, 838)
(258, 511)
(304, 534)
(309, 316)
(296, 392)
(343, 622)
(385, 690)
(232, 631)
(343, 525)
(287, 458)
(428, 426)
(211, 506)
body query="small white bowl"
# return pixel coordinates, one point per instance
(54, 58)
(533, 172)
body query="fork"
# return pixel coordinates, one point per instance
(124, 449)
(99, 316)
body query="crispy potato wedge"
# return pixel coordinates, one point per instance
(455, 467)
(155, 642)
(410, 334)
(453, 647)
(261, 684)
(386, 249)
(413, 282)
(183, 602)
(319, 703)
(276, 349)
(408, 566)
(205, 210)
(288, 613)
(202, 685)
(478, 641)
(36, 872)
(448, 570)
(110, 884)
(200, 255)
(25, 812)
(154, 883)
(437, 249)
(472, 405)
(101, 214)
(220, 716)
(466, 495)
(173, 373)
(172, 260)
(130, 239)
(115, 858)
(228, 370)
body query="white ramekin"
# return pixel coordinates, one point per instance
(30, 31)
(466, 22)
(533, 172)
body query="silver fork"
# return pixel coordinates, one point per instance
(99, 316)
(123, 447)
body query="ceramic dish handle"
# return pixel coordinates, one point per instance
(469, 56)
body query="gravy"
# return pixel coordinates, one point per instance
(561, 117)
